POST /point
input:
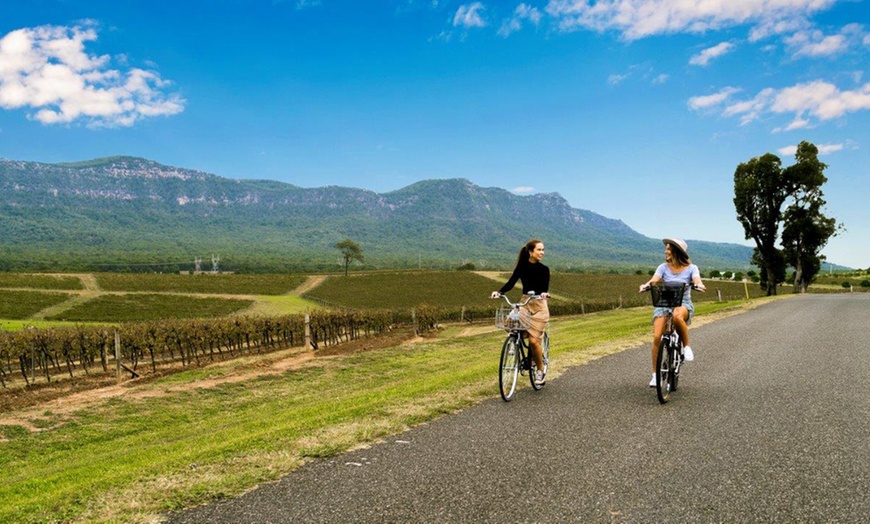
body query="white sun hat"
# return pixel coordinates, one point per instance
(679, 243)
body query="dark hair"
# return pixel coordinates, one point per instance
(526, 250)
(678, 253)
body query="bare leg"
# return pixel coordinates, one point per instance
(658, 329)
(680, 316)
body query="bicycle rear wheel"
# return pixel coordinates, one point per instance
(509, 368)
(545, 346)
(663, 372)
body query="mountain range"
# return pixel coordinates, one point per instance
(128, 213)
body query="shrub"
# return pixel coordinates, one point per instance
(865, 283)
(847, 285)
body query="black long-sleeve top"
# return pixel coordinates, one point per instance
(535, 277)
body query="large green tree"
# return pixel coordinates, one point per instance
(806, 228)
(760, 192)
(762, 187)
(350, 251)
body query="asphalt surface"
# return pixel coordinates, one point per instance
(771, 423)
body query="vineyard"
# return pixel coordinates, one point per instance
(170, 320)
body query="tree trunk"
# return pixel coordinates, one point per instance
(798, 277)
(771, 280)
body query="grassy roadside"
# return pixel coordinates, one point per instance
(131, 458)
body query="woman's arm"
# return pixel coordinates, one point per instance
(696, 280)
(515, 276)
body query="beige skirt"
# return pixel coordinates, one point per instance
(537, 315)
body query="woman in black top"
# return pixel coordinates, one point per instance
(535, 277)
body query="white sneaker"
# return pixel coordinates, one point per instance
(540, 378)
(652, 383)
(688, 354)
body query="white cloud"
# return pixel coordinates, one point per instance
(616, 78)
(814, 43)
(703, 102)
(305, 4)
(47, 70)
(636, 19)
(704, 57)
(819, 99)
(523, 190)
(469, 15)
(824, 149)
(797, 123)
(522, 13)
(661, 79)
(751, 110)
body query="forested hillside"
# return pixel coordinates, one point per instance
(129, 211)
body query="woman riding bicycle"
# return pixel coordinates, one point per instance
(535, 277)
(676, 270)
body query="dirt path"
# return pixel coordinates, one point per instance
(312, 282)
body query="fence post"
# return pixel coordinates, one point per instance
(308, 332)
(414, 320)
(462, 314)
(719, 295)
(118, 356)
(620, 301)
(582, 307)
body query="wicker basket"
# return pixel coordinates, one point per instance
(512, 319)
(667, 296)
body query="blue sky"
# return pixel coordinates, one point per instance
(638, 110)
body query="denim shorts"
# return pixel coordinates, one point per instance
(663, 311)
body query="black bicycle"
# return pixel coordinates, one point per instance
(670, 351)
(515, 355)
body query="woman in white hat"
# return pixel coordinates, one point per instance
(677, 269)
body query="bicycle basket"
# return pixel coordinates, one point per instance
(511, 319)
(667, 296)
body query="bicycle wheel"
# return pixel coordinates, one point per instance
(545, 346)
(509, 369)
(676, 364)
(663, 372)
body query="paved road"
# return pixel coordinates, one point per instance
(771, 424)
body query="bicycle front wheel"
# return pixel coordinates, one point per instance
(510, 368)
(663, 372)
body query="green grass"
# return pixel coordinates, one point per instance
(27, 280)
(17, 325)
(18, 305)
(228, 284)
(139, 307)
(127, 460)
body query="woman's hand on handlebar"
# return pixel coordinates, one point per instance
(495, 294)
(644, 287)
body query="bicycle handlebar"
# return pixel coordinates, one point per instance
(531, 295)
(647, 287)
